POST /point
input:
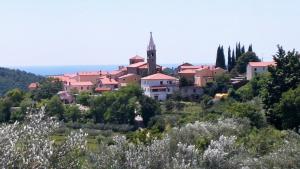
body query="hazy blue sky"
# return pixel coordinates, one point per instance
(77, 32)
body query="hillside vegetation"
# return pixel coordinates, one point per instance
(256, 127)
(10, 79)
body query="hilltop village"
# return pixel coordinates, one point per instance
(239, 114)
(157, 82)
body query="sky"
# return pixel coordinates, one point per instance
(99, 32)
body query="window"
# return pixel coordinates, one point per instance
(88, 88)
(81, 88)
(161, 82)
(255, 69)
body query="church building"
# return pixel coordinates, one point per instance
(140, 67)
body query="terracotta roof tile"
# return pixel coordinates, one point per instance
(92, 73)
(82, 83)
(137, 57)
(115, 72)
(33, 85)
(137, 64)
(159, 76)
(262, 64)
(191, 67)
(187, 71)
(108, 81)
(128, 75)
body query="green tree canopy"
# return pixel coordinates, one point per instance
(47, 89)
(5, 105)
(11, 78)
(15, 95)
(84, 98)
(72, 113)
(288, 109)
(243, 61)
(283, 77)
(55, 107)
(119, 106)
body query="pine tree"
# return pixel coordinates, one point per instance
(229, 59)
(250, 48)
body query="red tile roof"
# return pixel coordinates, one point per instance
(33, 85)
(63, 78)
(208, 68)
(102, 89)
(70, 74)
(108, 81)
(185, 64)
(115, 72)
(139, 64)
(191, 67)
(81, 83)
(262, 64)
(137, 57)
(159, 76)
(187, 71)
(92, 73)
(128, 75)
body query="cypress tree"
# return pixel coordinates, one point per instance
(250, 48)
(233, 60)
(238, 51)
(220, 61)
(223, 62)
(229, 59)
(218, 56)
(243, 50)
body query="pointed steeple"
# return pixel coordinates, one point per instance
(151, 45)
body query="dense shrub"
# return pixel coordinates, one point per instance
(28, 145)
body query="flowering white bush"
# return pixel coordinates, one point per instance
(28, 145)
(175, 150)
(212, 130)
(219, 152)
(9, 136)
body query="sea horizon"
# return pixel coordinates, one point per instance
(63, 69)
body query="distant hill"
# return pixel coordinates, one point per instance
(11, 78)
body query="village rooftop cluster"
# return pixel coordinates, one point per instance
(150, 77)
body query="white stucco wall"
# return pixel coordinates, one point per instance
(162, 95)
(253, 70)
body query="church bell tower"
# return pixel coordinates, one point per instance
(151, 56)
